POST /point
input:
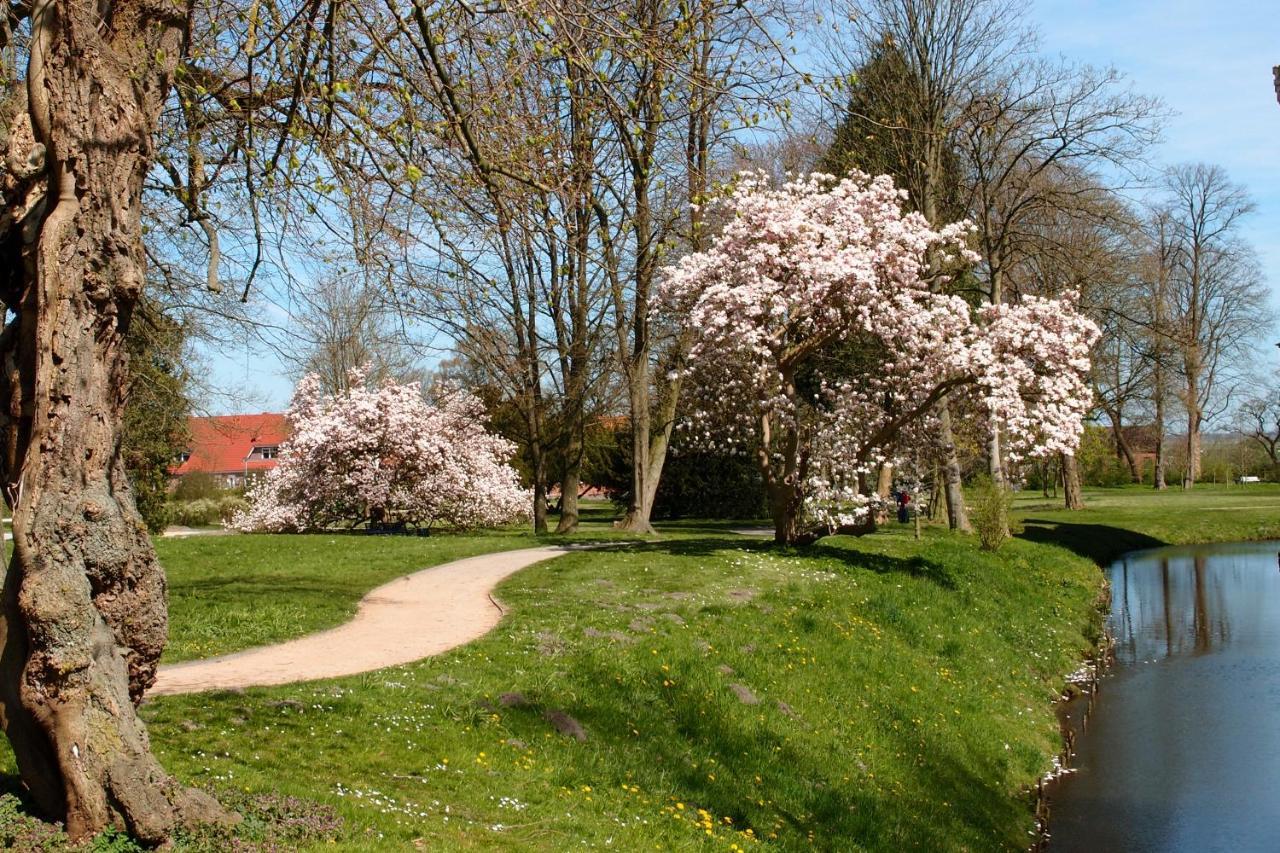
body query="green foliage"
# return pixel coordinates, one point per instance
(1099, 463)
(197, 513)
(694, 484)
(710, 485)
(197, 485)
(155, 417)
(882, 130)
(230, 506)
(21, 831)
(202, 512)
(112, 840)
(989, 507)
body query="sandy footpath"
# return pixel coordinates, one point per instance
(410, 618)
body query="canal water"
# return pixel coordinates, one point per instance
(1182, 749)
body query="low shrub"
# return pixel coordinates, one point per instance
(197, 513)
(990, 505)
(195, 486)
(229, 506)
(270, 822)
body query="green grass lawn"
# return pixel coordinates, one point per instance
(880, 694)
(228, 593)
(1115, 521)
(863, 694)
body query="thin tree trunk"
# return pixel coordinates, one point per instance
(1158, 481)
(538, 462)
(537, 456)
(995, 464)
(1193, 450)
(884, 480)
(570, 484)
(937, 503)
(1124, 449)
(957, 515)
(84, 618)
(1071, 490)
(640, 505)
(995, 461)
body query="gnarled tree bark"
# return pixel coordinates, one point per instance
(84, 610)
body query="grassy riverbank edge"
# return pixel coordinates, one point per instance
(1120, 521)
(864, 694)
(870, 694)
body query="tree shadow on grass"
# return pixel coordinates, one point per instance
(764, 772)
(701, 546)
(248, 585)
(915, 566)
(1099, 542)
(884, 564)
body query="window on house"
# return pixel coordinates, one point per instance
(267, 452)
(184, 456)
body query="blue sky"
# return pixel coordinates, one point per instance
(1209, 62)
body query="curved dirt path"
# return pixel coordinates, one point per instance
(410, 618)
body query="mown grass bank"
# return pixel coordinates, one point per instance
(880, 694)
(1116, 521)
(870, 694)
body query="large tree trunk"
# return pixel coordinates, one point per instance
(1071, 490)
(536, 454)
(937, 504)
(783, 507)
(953, 488)
(884, 480)
(84, 618)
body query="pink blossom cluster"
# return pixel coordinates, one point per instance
(1032, 363)
(386, 454)
(817, 266)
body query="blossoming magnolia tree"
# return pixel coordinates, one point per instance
(818, 265)
(386, 454)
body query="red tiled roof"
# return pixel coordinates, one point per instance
(220, 445)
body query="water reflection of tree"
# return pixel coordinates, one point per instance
(1176, 609)
(1198, 625)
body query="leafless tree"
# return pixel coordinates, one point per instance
(1216, 303)
(1048, 140)
(1258, 418)
(344, 324)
